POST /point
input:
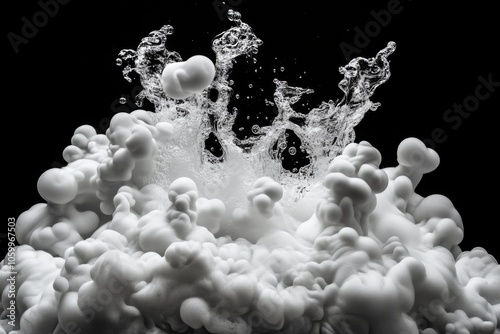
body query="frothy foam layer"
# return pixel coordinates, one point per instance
(145, 231)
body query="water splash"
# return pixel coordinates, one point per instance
(148, 62)
(324, 132)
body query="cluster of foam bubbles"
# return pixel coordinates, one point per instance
(144, 231)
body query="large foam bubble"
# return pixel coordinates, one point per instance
(146, 231)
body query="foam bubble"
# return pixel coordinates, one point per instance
(182, 79)
(57, 186)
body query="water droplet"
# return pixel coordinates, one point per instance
(374, 106)
(255, 129)
(282, 145)
(118, 62)
(250, 86)
(168, 29)
(237, 96)
(268, 103)
(233, 15)
(292, 150)
(123, 100)
(212, 149)
(282, 69)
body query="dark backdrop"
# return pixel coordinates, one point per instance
(62, 75)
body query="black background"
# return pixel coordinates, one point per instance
(65, 76)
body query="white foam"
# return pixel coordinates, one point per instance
(146, 232)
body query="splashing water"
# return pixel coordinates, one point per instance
(146, 231)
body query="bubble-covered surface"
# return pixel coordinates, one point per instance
(144, 231)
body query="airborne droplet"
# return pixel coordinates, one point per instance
(168, 29)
